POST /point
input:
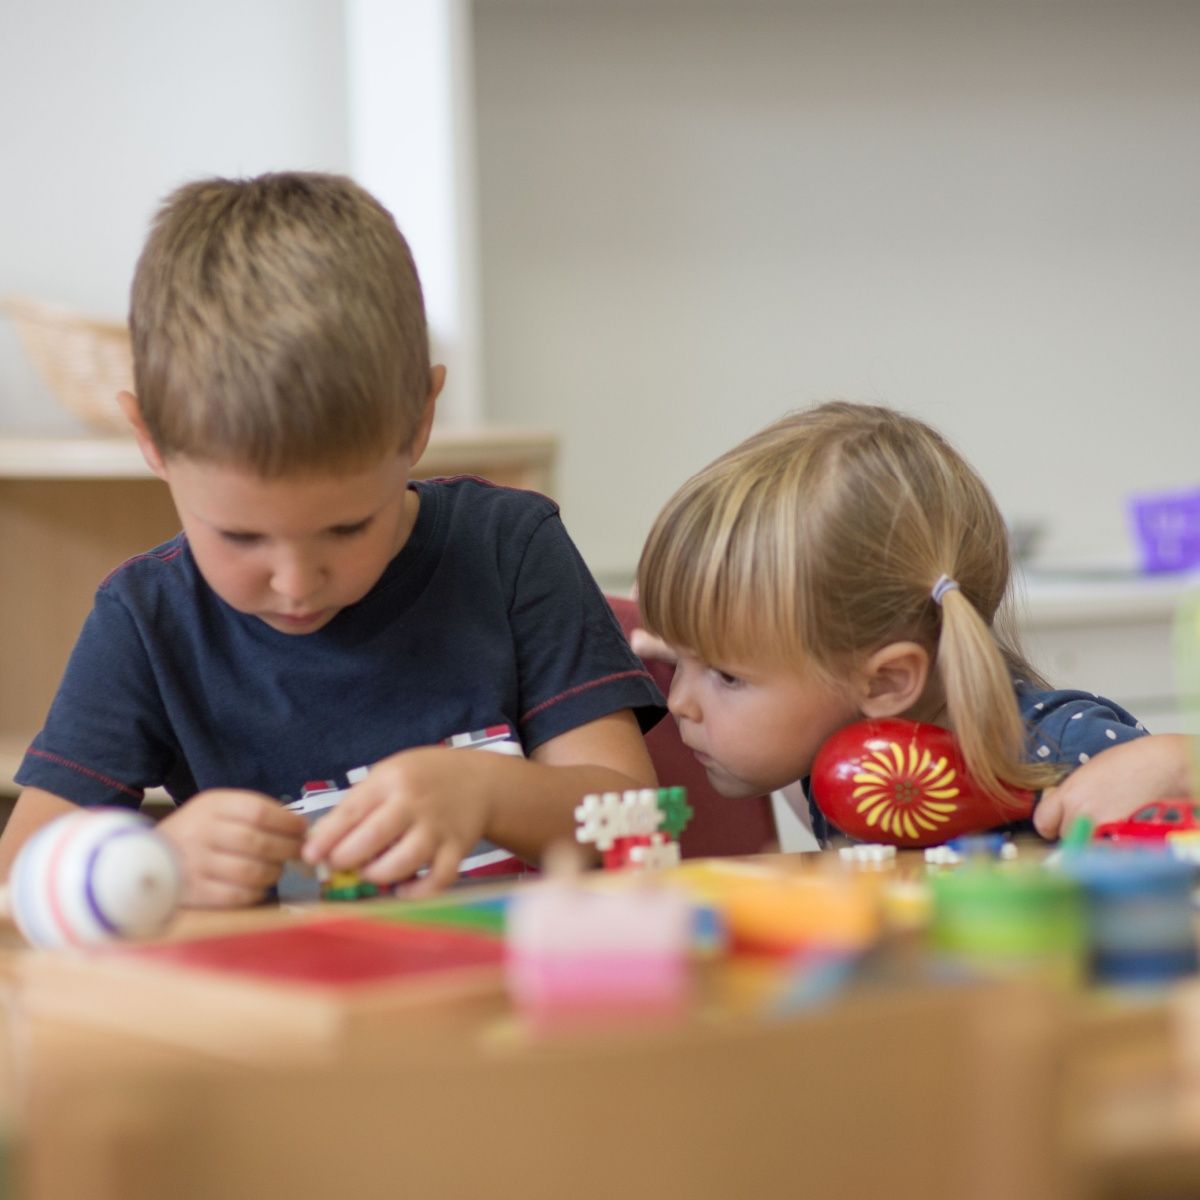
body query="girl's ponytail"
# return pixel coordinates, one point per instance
(978, 688)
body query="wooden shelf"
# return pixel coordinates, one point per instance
(504, 455)
(71, 509)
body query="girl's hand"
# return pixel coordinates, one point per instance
(231, 846)
(645, 645)
(1115, 784)
(422, 807)
(650, 648)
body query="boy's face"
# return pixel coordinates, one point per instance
(757, 727)
(293, 551)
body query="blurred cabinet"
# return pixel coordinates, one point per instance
(72, 509)
(1114, 636)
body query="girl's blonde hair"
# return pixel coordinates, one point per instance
(278, 324)
(818, 540)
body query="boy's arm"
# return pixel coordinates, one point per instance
(1118, 782)
(429, 806)
(528, 818)
(33, 809)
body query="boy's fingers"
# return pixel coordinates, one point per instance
(259, 845)
(218, 893)
(403, 860)
(352, 811)
(442, 872)
(446, 863)
(324, 834)
(274, 818)
(253, 808)
(349, 847)
(238, 871)
(225, 880)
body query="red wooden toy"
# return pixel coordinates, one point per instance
(904, 783)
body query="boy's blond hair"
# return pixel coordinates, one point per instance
(278, 325)
(818, 540)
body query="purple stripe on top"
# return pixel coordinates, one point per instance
(89, 871)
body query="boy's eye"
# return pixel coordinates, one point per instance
(239, 539)
(345, 531)
(726, 679)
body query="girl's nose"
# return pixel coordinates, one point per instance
(681, 698)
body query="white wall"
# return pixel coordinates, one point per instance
(412, 143)
(697, 215)
(107, 106)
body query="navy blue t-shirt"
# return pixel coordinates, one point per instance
(487, 616)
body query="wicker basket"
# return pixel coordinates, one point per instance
(85, 362)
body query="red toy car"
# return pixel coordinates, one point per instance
(1152, 822)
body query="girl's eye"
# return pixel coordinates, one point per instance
(726, 679)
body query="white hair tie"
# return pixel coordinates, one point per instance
(944, 584)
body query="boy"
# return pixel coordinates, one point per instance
(321, 613)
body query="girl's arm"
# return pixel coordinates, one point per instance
(1117, 783)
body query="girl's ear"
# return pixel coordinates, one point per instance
(133, 414)
(893, 679)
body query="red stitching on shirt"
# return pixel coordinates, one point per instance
(583, 687)
(175, 553)
(74, 766)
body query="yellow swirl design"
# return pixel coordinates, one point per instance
(905, 794)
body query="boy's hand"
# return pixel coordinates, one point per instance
(423, 807)
(1115, 784)
(231, 846)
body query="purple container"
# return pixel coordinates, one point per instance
(1167, 526)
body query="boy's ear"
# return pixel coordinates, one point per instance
(437, 381)
(893, 679)
(133, 414)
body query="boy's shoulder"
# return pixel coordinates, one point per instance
(166, 561)
(466, 507)
(473, 491)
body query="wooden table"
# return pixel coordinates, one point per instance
(982, 1090)
(921, 1090)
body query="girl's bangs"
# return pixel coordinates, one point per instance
(723, 607)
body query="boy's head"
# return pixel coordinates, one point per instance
(278, 327)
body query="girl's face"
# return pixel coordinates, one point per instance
(755, 727)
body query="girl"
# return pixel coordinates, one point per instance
(847, 563)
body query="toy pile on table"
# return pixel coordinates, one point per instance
(581, 949)
(638, 828)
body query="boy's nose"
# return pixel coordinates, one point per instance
(296, 578)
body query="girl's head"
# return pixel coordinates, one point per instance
(811, 551)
